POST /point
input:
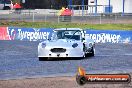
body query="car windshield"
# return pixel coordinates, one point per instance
(67, 34)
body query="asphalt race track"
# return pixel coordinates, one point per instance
(18, 59)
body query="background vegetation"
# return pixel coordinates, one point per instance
(16, 1)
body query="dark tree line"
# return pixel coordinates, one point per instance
(50, 4)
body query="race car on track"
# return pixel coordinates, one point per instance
(66, 42)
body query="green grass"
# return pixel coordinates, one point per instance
(68, 25)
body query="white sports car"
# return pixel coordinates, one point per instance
(66, 42)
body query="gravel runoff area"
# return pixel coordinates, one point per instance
(56, 82)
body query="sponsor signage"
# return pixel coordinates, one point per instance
(4, 33)
(82, 78)
(40, 34)
(110, 36)
(30, 34)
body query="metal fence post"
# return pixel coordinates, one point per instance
(115, 17)
(100, 20)
(45, 18)
(33, 16)
(58, 19)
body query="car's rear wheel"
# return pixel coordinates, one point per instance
(92, 52)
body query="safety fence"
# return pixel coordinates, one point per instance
(52, 16)
(41, 34)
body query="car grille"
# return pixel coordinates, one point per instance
(55, 50)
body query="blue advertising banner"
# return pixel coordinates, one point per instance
(40, 34)
(31, 34)
(110, 36)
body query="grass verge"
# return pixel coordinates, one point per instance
(68, 25)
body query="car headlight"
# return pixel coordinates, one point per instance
(74, 45)
(43, 45)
